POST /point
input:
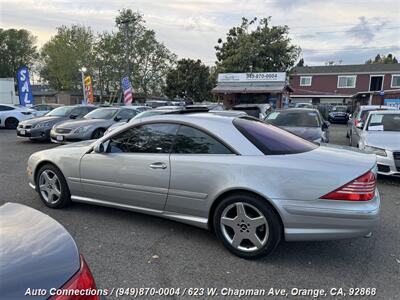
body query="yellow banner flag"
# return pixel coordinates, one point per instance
(89, 89)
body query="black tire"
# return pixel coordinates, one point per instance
(98, 133)
(65, 196)
(274, 227)
(11, 123)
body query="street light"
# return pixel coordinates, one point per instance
(83, 70)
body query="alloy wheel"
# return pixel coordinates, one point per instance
(50, 187)
(244, 227)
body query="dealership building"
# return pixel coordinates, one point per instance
(252, 88)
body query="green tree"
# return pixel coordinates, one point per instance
(64, 54)
(189, 79)
(263, 48)
(17, 49)
(300, 63)
(382, 59)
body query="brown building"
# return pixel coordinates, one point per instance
(346, 84)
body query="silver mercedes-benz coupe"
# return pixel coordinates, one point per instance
(252, 183)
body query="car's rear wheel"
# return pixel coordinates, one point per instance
(247, 225)
(11, 123)
(52, 187)
(98, 133)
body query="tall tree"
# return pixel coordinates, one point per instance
(382, 59)
(189, 79)
(64, 54)
(300, 63)
(256, 47)
(17, 49)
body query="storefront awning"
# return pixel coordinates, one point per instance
(221, 89)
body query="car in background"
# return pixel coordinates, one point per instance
(338, 114)
(91, 126)
(39, 128)
(253, 183)
(141, 108)
(36, 252)
(42, 109)
(304, 122)
(157, 103)
(303, 105)
(381, 136)
(255, 110)
(11, 115)
(355, 124)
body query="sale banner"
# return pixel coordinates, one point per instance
(89, 90)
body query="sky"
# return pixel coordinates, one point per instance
(343, 31)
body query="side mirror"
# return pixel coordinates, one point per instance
(325, 125)
(117, 119)
(99, 148)
(360, 125)
(73, 116)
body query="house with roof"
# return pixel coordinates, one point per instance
(343, 84)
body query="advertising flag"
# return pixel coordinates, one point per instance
(127, 89)
(24, 87)
(89, 89)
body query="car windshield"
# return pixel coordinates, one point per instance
(339, 108)
(60, 111)
(294, 118)
(148, 113)
(384, 122)
(102, 113)
(270, 139)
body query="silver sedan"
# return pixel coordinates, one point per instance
(252, 183)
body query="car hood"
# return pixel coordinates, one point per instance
(308, 133)
(85, 145)
(36, 252)
(52, 119)
(85, 122)
(389, 140)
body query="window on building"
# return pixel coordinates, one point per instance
(346, 81)
(395, 81)
(376, 83)
(305, 80)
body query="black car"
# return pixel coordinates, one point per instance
(38, 257)
(39, 128)
(338, 114)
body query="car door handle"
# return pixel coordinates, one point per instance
(158, 165)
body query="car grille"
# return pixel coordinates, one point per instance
(383, 168)
(24, 127)
(396, 155)
(63, 130)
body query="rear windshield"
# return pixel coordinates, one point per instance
(270, 139)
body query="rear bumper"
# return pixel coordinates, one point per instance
(328, 219)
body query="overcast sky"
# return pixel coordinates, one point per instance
(350, 31)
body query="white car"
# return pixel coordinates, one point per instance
(381, 135)
(11, 115)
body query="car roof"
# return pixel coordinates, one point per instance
(369, 107)
(385, 112)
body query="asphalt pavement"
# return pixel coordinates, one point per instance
(126, 249)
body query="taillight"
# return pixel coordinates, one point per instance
(360, 189)
(356, 122)
(82, 281)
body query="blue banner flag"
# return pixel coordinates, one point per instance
(24, 87)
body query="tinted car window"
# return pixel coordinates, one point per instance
(127, 114)
(383, 122)
(193, 141)
(270, 139)
(294, 118)
(102, 113)
(151, 138)
(5, 108)
(60, 111)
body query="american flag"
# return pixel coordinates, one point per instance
(127, 88)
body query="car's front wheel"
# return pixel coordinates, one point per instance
(11, 123)
(52, 187)
(247, 225)
(98, 133)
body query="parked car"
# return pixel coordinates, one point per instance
(39, 128)
(303, 105)
(36, 252)
(11, 115)
(91, 126)
(256, 110)
(305, 122)
(251, 182)
(338, 114)
(381, 136)
(355, 124)
(42, 109)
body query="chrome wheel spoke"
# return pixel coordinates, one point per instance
(237, 239)
(229, 222)
(255, 240)
(241, 213)
(257, 222)
(46, 177)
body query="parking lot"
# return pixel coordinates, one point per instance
(126, 249)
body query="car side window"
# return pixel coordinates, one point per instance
(127, 114)
(193, 141)
(5, 108)
(149, 138)
(79, 112)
